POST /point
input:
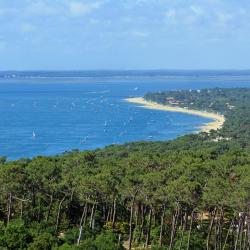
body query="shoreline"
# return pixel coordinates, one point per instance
(217, 123)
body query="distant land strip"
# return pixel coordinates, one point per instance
(217, 123)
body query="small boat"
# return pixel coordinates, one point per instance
(84, 140)
(33, 134)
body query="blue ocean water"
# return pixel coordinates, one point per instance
(47, 113)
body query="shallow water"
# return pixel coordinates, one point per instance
(46, 113)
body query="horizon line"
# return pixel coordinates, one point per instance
(84, 70)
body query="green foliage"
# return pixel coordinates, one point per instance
(107, 241)
(104, 241)
(44, 241)
(155, 232)
(119, 227)
(70, 236)
(197, 241)
(88, 244)
(15, 235)
(2, 229)
(66, 246)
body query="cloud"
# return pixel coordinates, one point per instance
(42, 8)
(223, 18)
(83, 8)
(185, 15)
(7, 11)
(171, 16)
(141, 2)
(2, 46)
(197, 10)
(201, 16)
(138, 33)
(62, 8)
(27, 27)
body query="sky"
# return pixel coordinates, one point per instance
(124, 34)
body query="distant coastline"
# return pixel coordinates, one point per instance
(217, 123)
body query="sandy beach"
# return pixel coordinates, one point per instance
(218, 120)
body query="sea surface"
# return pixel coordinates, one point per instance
(48, 113)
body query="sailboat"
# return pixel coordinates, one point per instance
(33, 134)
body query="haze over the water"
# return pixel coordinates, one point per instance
(128, 34)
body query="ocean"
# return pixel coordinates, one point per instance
(48, 113)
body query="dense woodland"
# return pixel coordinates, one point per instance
(189, 193)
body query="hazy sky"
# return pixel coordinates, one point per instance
(124, 34)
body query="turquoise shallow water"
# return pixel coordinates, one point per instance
(46, 113)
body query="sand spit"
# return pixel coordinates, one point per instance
(217, 123)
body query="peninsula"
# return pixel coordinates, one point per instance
(218, 119)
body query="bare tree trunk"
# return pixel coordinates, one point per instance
(190, 229)
(39, 209)
(9, 207)
(130, 223)
(49, 208)
(174, 223)
(248, 228)
(216, 233)
(21, 209)
(33, 204)
(59, 212)
(119, 239)
(137, 215)
(71, 196)
(238, 234)
(111, 213)
(153, 218)
(79, 235)
(84, 212)
(172, 233)
(162, 224)
(91, 225)
(211, 227)
(142, 223)
(104, 212)
(177, 216)
(149, 227)
(220, 225)
(114, 214)
(241, 231)
(245, 237)
(108, 215)
(228, 232)
(21, 204)
(184, 224)
(181, 219)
